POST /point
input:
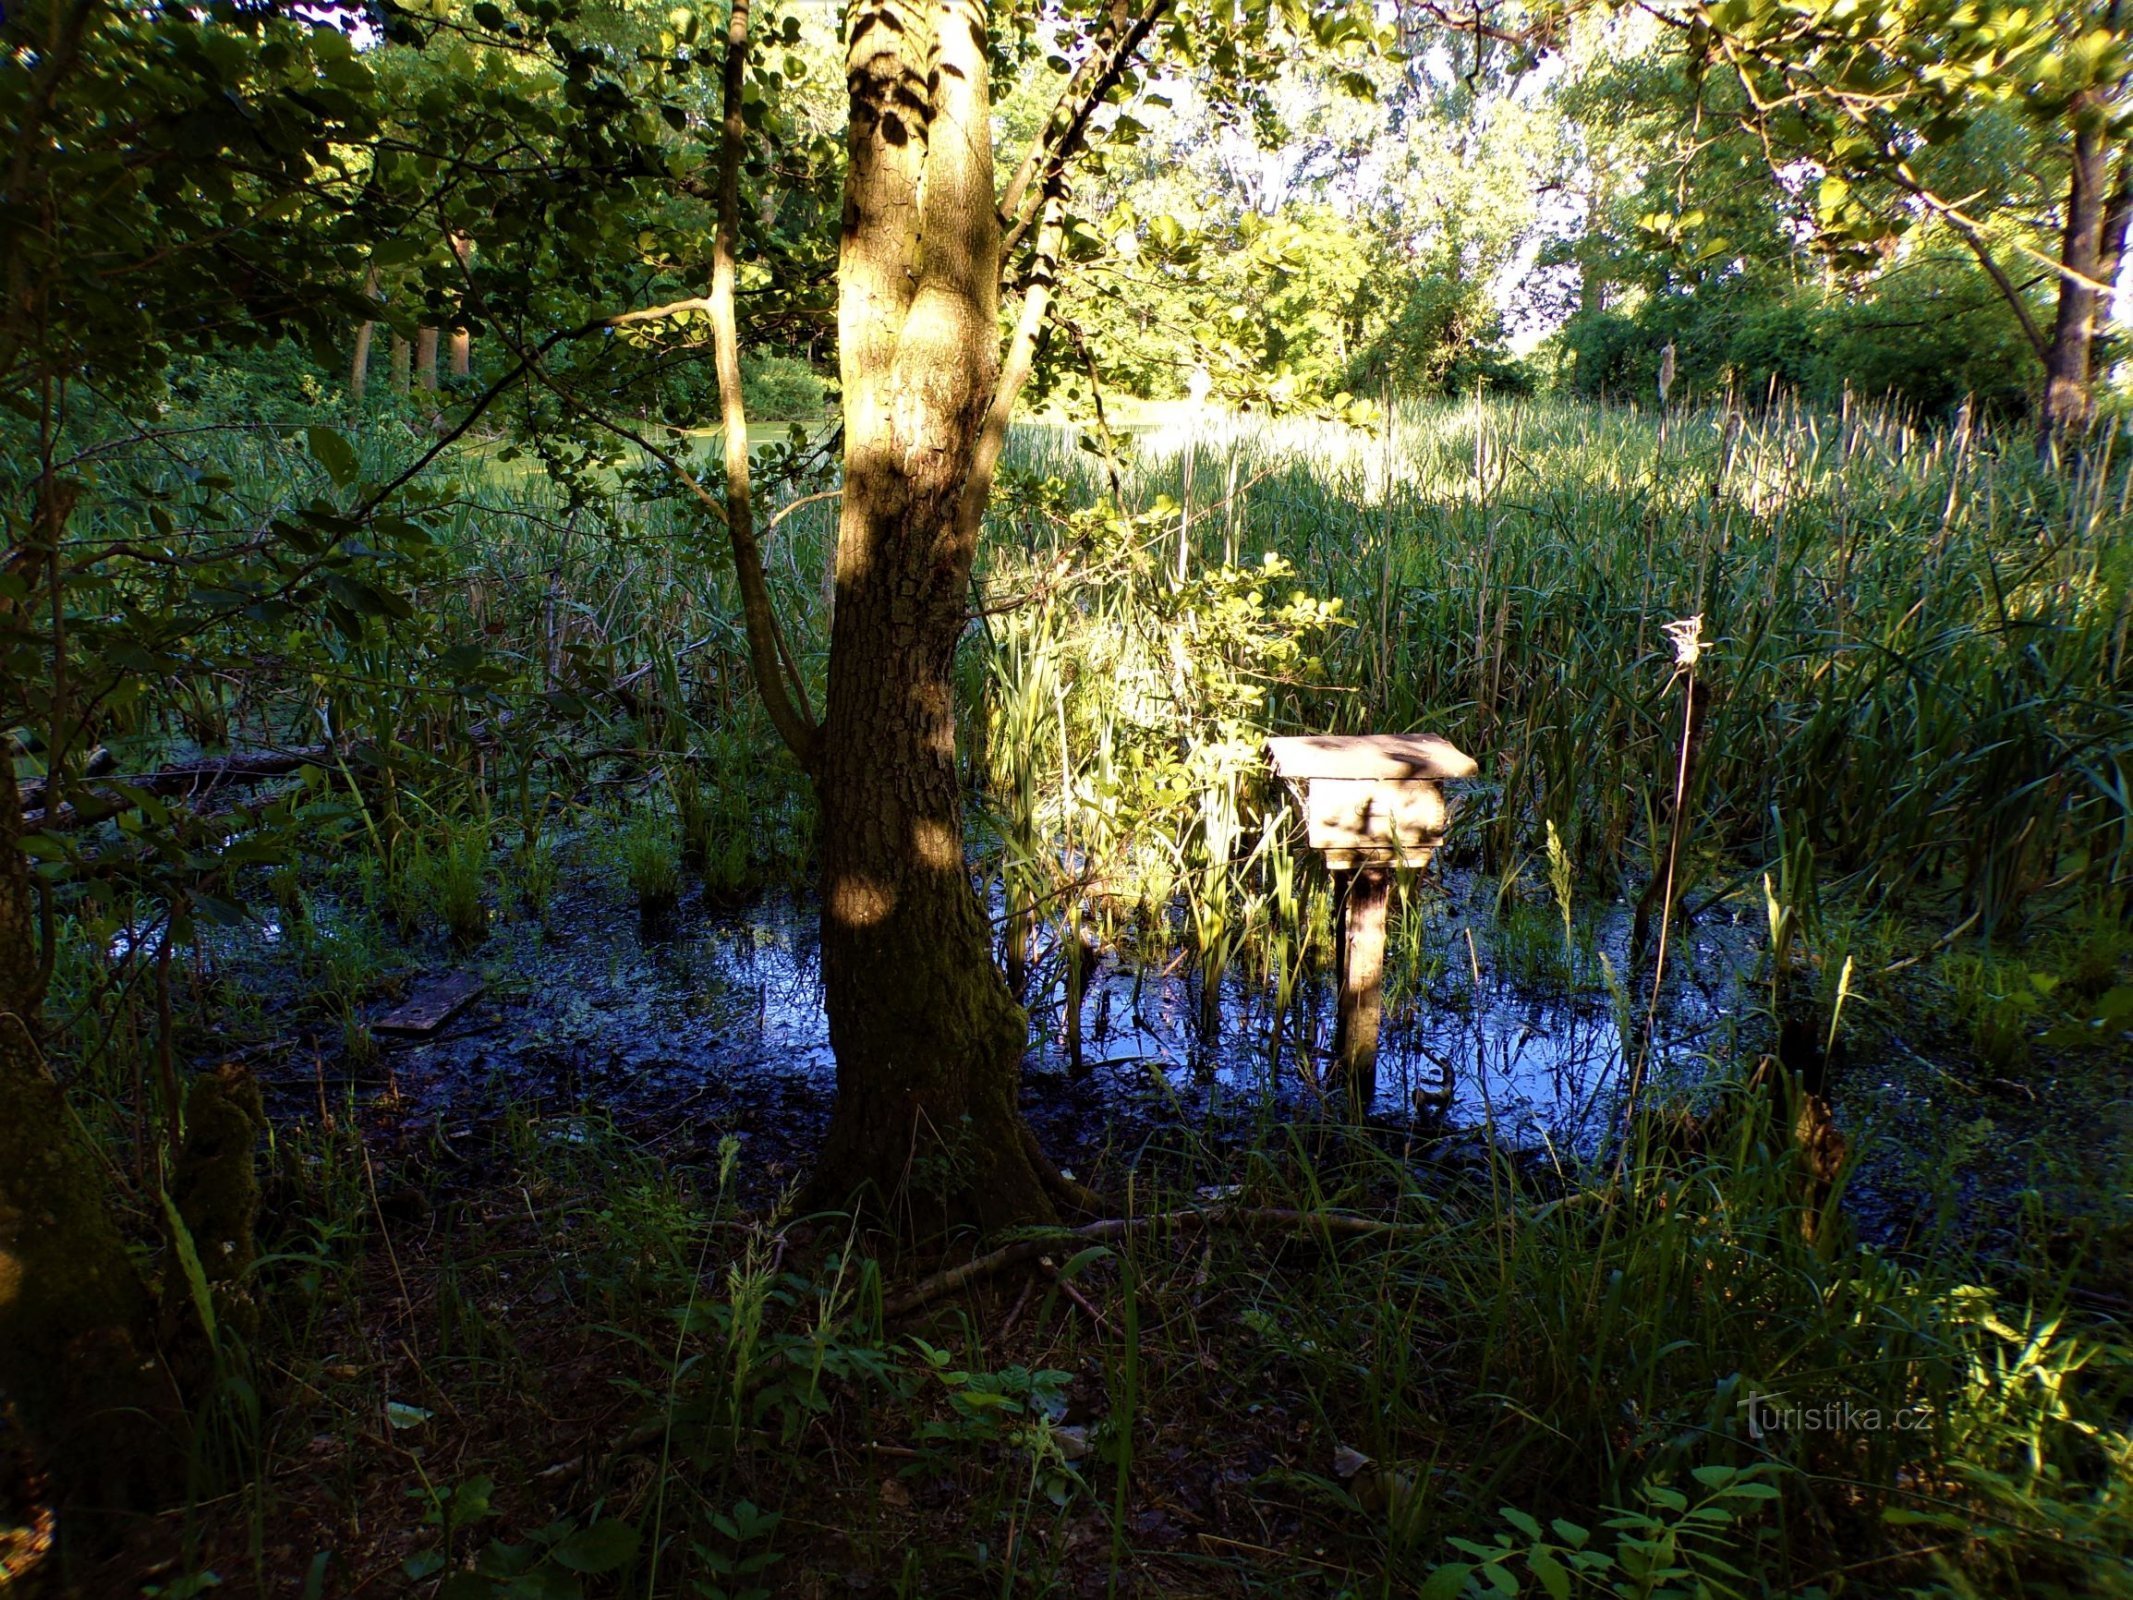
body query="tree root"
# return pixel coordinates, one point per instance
(1073, 1196)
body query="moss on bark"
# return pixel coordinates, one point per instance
(215, 1189)
(76, 1354)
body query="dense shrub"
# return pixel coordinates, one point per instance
(1444, 338)
(782, 389)
(1928, 333)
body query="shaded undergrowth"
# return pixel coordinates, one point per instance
(604, 1375)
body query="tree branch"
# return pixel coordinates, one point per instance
(1015, 370)
(776, 679)
(1031, 188)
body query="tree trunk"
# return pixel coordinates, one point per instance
(77, 1356)
(2067, 403)
(928, 1040)
(426, 358)
(359, 368)
(462, 353)
(402, 363)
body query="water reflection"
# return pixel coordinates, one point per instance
(722, 1024)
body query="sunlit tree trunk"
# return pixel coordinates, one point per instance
(462, 353)
(2067, 399)
(426, 358)
(2111, 255)
(359, 367)
(928, 1039)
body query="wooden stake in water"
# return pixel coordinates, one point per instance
(1361, 901)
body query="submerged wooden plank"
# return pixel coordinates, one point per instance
(430, 1008)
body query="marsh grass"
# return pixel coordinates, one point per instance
(650, 855)
(1531, 1364)
(540, 1338)
(1920, 638)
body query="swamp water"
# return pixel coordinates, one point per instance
(1496, 1027)
(717, 1026)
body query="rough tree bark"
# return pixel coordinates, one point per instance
(2067, 398)
(2111, 253)
(926, 1132)
(77, 1356)
(928, 1040)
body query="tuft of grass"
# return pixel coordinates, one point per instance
(651, 861)
(455, 876)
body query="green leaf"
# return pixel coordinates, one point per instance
(1552, 1574)
(603, 1547)
(1083, 1260)
(181, 1243)
(470, 1501)
(1448, 1582)
(333, 453)
(1519, 1520)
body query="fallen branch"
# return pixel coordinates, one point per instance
(191, 779)
(1050, 1268)
(105, 796)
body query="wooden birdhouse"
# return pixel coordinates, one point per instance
(1371, 802)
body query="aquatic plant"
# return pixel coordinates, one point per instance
(651, 860)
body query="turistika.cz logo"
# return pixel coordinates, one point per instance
(1768, 1414)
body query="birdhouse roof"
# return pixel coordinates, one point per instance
(1379, 756)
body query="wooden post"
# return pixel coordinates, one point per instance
(1370, 801)
(1362, 982)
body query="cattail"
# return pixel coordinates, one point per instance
(1686, 636)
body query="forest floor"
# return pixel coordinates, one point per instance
(538, 1316)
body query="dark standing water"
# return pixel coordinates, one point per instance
(1494, 1026)
(718, 1028)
